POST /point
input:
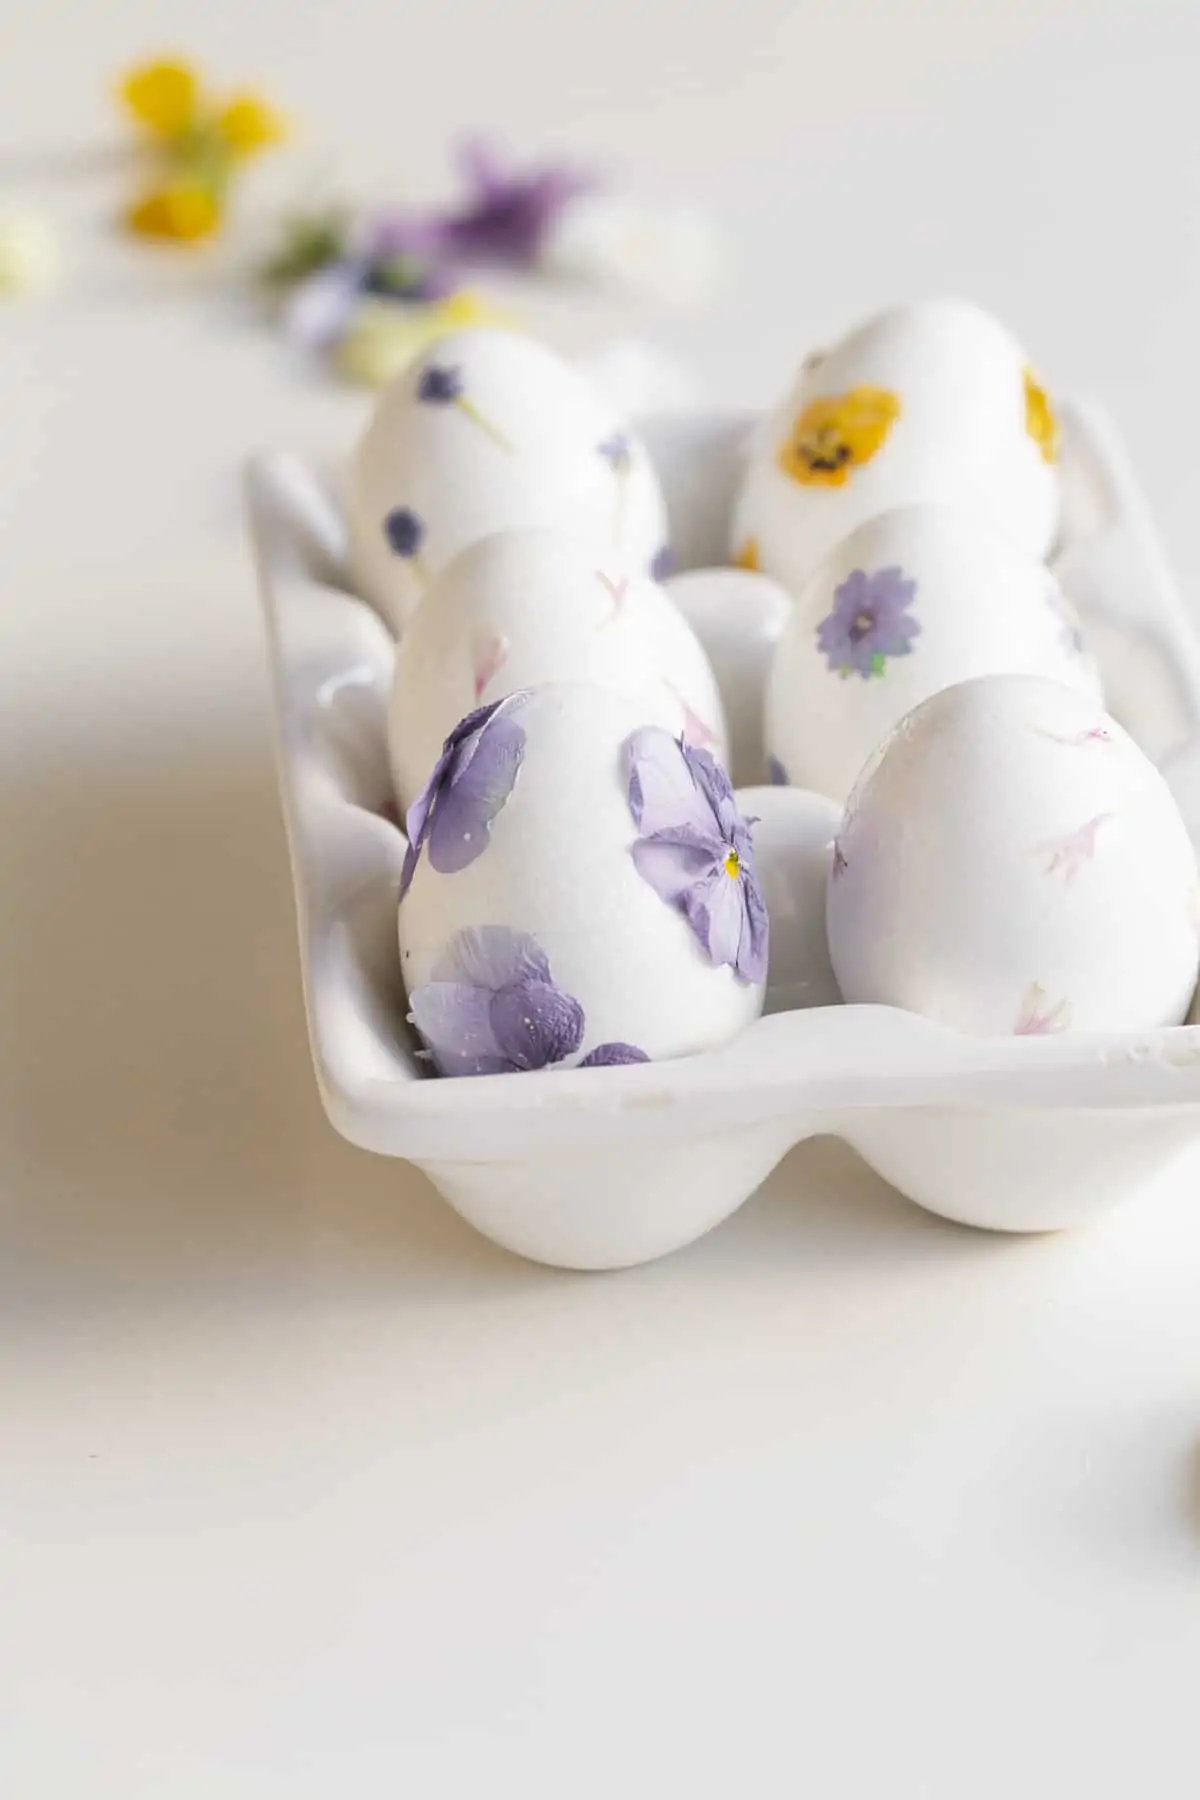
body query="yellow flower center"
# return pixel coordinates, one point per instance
(732, 865)
(1040, 420)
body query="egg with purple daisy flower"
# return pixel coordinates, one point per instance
(491, 431)
(933, 401)
(580, 887)
(523, 607)
(913, 601)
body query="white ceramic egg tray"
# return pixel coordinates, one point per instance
(606, 1168)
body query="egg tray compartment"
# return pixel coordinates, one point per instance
(608, 1168)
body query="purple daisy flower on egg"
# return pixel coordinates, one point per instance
(869, 622)
(492, 1008)
(695, 849)
(451, 818)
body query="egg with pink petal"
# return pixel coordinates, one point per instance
(1012, 863)
(524, 607)
(489, 431)
(934, 401)
(580, 887)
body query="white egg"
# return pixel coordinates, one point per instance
(794, 834)
(525, 607)
(908, 604)
(1013, 863)
(485, 432)
(538, 927)
(929, 402)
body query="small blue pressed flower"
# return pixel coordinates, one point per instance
(404, 532)
(451, 818)
(617, 452)
(663, 562)
(695, 848)
(776, 772)
(441, 384)
(869, 623)
(492, 1008)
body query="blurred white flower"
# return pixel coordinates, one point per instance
(668, 254)
(30, 254)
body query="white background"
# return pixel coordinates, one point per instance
(307, 1492)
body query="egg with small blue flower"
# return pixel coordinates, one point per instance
(490, 431)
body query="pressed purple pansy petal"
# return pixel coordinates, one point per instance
(695, 850)
(471, 780)
(776, 773)
(492, 1006)
(611, 1056)
(869, 622)
(535, 1024)
(404, 531)
(319, 308)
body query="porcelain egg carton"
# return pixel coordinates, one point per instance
(606, 1168)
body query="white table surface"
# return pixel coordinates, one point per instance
(305, 1490)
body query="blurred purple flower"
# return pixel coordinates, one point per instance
(471, 780)
(662, 563)
(617, 452)
(506, 217)
(869, 622)
(695, 849)
(439, 385)
(777, 775)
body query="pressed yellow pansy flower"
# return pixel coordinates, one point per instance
(1040, 420)
(747, 556)
(249, 124)
(385, 337)
(835, 435)
(182, 212)
(163, 96)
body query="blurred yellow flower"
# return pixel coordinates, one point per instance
(384, 337)
(196, 141)
(163, 96)
(248, 124)
(837, 434)
(747, 556)
(181, 212)
(1040, 420)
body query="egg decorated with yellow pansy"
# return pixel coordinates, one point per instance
(934, 401)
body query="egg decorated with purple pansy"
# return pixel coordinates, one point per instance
(580, 886)
(1011, 863)
(934, 401)
(911, 602)
(533, 605)
(485, 432)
